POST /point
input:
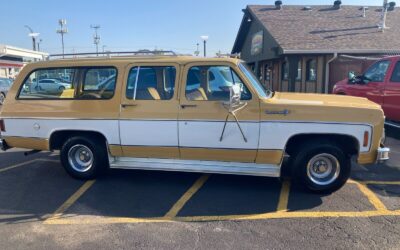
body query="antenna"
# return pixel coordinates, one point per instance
(96, 37)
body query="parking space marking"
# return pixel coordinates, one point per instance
(284, 197)
(71, 200)
(290, 215)
(273, 215)
(186, 196)
(17, 165)
(26, 163)
(373, 199)
(381, 182)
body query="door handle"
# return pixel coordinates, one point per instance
(128, 105)
(183, 106)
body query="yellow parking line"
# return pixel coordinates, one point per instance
(71, 200)
(284, 197)
(86, 220)
(373, 199)
(290, 215)
(381, 182)
(17, 165)
(186, 196)
(49, 160)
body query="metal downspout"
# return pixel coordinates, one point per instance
(335, 55)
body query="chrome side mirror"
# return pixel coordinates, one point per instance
(235, 95)
(351, 75)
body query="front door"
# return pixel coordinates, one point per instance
(149, 111)
(391, 102)
(205, 86)
(373, 85)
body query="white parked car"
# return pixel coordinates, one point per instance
(50, 85)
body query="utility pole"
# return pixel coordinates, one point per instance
(33, 35)
(62, 31)
(204, 38)
(96, 37)
(197, 52)
(38, 44)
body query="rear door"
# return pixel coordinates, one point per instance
(391, 102)
(373, 85)
(149, 111)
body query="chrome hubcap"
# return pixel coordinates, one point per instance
(80, 158)
(323, 169)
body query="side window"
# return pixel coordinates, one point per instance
(396, 73)
(151, 83)
(49, 84)
(98, 83)
(212, 83)
(377, 72)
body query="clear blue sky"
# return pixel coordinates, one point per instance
(132, 24)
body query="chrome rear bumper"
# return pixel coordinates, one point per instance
(383, 154)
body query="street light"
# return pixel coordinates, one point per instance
(33, 35)
(62, 31)
(204, 38)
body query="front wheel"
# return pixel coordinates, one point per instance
(84, 158)
(322, 167)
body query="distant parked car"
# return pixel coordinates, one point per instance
(5, 85)
(380, 83)
(51, 85)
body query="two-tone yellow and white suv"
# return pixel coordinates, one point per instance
(192, 114)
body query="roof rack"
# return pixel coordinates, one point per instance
(116, 53)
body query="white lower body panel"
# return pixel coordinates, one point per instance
(217, 167)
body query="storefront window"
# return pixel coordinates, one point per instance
(299, 71)
(311, 70)
(285, 71)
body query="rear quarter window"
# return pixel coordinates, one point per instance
(70, 83)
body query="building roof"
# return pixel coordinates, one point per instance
(11, 51)
(325, 29)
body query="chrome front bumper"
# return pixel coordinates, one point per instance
(383, 154)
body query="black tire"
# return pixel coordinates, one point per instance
(314, 152)
(90, 146)
(61, 88)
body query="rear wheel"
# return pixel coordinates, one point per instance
(322, 167)
(84, 158)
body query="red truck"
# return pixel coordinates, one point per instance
(380, 83)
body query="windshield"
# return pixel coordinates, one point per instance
(261, 90)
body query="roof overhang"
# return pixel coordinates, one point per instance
(345, 51)
(6, 50)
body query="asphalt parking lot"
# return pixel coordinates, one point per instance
(41, 207)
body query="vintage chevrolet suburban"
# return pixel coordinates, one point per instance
(181, 113)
